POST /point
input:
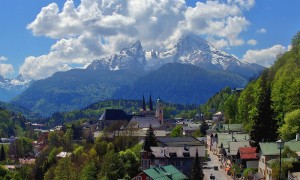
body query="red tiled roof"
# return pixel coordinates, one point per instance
(248, 153)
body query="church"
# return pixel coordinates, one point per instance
(146, 116)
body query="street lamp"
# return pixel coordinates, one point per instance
(280, 145)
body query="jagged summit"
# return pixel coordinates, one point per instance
(12, 87)
(190, 49)
(132, 57)
(192, 42)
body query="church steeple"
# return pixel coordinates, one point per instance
(150, 103)
(143, 104)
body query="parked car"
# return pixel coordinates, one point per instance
(216, 168)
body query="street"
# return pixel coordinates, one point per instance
(210, 172)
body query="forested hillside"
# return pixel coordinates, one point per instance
(11, 124)
(269, 101)
(95, 110)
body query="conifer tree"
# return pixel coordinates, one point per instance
(143, 104)
(150, 103)
(264, 127)
(150, 139)
(204, 126)
(197, 171)
(2, 153)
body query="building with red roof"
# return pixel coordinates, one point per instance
(247, 156)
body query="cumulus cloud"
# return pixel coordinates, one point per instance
(94, 29)
(6, 69)
(3, 58)
(252, 42)
(264, 57)
(261, 30)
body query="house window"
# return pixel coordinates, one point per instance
(145, 162)
(139, 178)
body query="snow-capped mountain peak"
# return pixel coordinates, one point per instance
(11, 87)
(132, 56)
(190, 49)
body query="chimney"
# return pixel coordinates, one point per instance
(297, 137)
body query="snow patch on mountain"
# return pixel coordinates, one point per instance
(190, 49)
(11, 87)
(128, 58)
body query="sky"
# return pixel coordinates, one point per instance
(41, 37)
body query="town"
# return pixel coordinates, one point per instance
(150, 90)
(164, 148)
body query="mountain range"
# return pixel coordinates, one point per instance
(190, 72)
(10, 88)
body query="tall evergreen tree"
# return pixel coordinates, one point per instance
(144, 104)
(204, 126)
(150, 139)
(150, 103)
(2, 153)
(264, 127)
(197, 171)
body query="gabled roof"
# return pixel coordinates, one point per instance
(178, 152)
(144, 122)
(165, 173)
(225, 138)
(227, 127)
(178, 141)
(190, 128)
(115, 114)
(247, 153)
(270, 148)
(234, 146)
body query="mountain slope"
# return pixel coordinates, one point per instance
(12, 87)
(181, 83)
(191, 72)
(132, 57)
(192, 49)
(19, 110)
(73, 89)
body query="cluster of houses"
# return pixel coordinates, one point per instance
(232, 146)
(173, 157)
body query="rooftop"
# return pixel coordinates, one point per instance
(225, 138)
(247, 153)
(178, 141)
(165, 173)
(227, 127)
(270, 148)
(115, 114)
(234, 146)
(144, 122)
(178, 152)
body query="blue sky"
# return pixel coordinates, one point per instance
(37, 43)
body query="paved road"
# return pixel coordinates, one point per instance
(208, 169)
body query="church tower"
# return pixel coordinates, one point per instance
(150, 112)
(160, 111)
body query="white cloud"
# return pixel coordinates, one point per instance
(3, 58)
(6, 69)
(264, 57)
(219, 44)
(252, 42)
(261, 30)
(95, 28)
